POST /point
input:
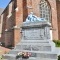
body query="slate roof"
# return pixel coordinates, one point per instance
(1, 10)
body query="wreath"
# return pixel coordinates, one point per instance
(24, 55)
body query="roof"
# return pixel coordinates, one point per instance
(7, 6)
(1, 10)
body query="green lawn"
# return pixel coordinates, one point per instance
(1, 57)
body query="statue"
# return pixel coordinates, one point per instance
(32, 18)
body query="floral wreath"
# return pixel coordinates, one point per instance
(24, 55)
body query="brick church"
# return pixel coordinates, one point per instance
(16, 12)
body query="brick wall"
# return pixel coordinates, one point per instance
(7, 26)
(5, 13)
(9, 34)
(18, 21)
(54, 19)
(58, 17)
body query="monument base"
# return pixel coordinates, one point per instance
(40, 50)
(35, 55)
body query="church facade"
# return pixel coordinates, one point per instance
(16, 13)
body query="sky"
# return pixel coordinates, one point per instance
(4, 3)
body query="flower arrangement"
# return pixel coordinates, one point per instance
(24, 55)
(19, 55)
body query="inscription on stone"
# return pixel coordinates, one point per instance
(36, 33)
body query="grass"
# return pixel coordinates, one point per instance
(1, 58)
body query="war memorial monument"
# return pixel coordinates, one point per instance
(36, 43)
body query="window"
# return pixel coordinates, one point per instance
(10, 10)
(45, 10)
(1, 23)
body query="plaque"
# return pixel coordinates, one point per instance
(36, 34)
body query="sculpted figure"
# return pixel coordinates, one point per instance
(32, 18)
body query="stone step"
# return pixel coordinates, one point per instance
(34, 43)
(41, 41)
(34, 47)
(11, 56)
(32, 58)
(39, 55)
(14, 52)
(17, 51)
(40, 59)
(39, 44)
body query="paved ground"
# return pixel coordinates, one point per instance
(2, 58)
(3, 50)
(58, 50)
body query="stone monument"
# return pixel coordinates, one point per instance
(35, 40)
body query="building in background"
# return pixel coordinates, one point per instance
(17, 11)
(1, 10)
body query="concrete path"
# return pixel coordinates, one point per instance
(3, 50)
(58, 50)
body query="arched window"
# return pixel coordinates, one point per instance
(45, 10)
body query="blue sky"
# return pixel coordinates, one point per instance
(4, 3)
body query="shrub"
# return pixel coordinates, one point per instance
(59, 57)
(57, 43)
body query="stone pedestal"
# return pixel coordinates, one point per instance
(36, 37)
